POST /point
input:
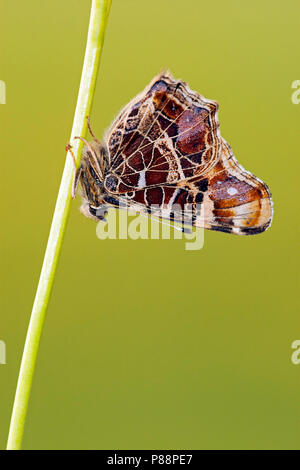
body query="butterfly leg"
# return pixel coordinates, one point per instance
(77, 173)
(76, 181)
(90, 129)
(162, 222)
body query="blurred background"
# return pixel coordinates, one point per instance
(146, 345)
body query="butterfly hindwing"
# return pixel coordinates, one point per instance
(227, 199)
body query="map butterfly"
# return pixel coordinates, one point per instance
(164, 156)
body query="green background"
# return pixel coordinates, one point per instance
(147, 345)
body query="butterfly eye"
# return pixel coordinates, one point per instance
(111, 183)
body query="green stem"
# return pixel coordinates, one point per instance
(98, 20)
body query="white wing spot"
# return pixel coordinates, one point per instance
(232, 191)
(142, 179)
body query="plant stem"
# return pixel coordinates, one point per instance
(98, 20)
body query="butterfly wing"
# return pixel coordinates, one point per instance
(167, 158)
(239, 202)
(227, 199)
(167, 134)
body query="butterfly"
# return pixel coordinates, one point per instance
(164, 156)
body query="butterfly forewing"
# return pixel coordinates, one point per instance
(167, 134)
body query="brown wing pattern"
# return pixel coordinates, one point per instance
(227, 199)
(167, 134)
(164, 156)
